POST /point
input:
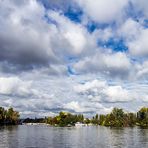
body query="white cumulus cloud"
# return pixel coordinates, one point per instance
(15, 86)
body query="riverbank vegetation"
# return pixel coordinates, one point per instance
(9, 116)
(65, 119)
(117, 118)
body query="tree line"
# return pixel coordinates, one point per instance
(117, 118)
(9, 116)
(65, 119)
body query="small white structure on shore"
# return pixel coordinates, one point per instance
(79, 124)
(34, 124)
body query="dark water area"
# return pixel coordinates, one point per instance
(42, 136)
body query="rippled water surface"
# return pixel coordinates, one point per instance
(38, 136)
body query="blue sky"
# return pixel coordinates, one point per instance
(81, 56)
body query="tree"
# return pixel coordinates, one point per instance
(87, 121)
(142, 117)
(101, 119)
(129, 119)
(2, 115)
(8, 116)
(95, 120)
(12, 116)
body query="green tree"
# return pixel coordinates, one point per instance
(12, 116)
(115, 118)
(2, 115)
(129, 119)
(102, 119)
(142, 117)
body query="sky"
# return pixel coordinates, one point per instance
(78, 56)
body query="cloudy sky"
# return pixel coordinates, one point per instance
(81, 56)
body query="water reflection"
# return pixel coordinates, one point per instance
(85, 137)
(143, 137)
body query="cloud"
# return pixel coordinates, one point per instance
(135, 35)
(50, 95)
(70, 39)
(142, 70)
(86, 107)
(75, 106)
(129, 30)
(117, 93)
(15, 87)
(141, 6)
(103, 11)
(104, 34)
(111, 64)
(50, 62)
(101, 91)
(139, 47)
(145, 98)
(24, 38)
(33, 37)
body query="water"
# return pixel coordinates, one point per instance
(40, 136)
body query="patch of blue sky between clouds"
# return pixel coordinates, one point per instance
(133, 13)
(74, 14)
(71, 71)
(115, 44)
(145, 23)
(92, 25)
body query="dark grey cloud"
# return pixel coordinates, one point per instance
(28, 40)
(16, 53)
(24, 41)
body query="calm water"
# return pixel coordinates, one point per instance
(39, 136)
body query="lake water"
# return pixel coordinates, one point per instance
(40, 136)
